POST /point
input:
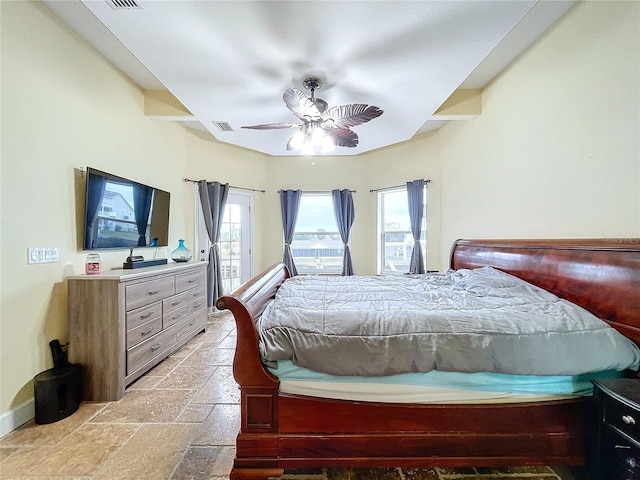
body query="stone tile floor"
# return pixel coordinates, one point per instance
(179, 422)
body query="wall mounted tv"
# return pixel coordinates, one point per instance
(121, 213)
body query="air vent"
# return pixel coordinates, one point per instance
(223, 126)
(125, 4)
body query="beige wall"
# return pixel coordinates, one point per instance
(555, 153)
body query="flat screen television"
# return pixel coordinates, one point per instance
(121, 213)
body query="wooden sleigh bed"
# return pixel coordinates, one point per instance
(282, 431)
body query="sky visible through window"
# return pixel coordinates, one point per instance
(316, 212)
(396, 210)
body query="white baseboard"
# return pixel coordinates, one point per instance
(12, 419)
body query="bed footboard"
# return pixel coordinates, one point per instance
(257, 442)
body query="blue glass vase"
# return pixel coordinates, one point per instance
(182, 253)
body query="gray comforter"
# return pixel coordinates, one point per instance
(479, 320)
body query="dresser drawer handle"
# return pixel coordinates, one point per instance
(195, 307)
(173, 304)
(175, 316)
(622, 447)
(628, 419)
(190, 281)
(153, 292)
(148, 331)
(156, 347)
(195, 295)
(147, 315)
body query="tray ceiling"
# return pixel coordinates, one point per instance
(225, 64)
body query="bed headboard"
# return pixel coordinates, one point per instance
(601, 275)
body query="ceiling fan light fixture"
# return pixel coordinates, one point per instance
(311, 139)
(327, 145)
(317, 136)
(322, 129)
(297, 140)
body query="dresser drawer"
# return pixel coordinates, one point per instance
(197, 293)
(175, 301)
(174, 316)
(195, 305)
(192, 324)
(149, 349)
(144, 331)
(148, 292)
(187, 281)
(142, 315)
(621, 416)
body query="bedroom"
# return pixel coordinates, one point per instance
(517, 171)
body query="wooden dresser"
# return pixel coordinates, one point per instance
(124, 322)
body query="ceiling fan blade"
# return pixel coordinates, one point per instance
(301, 105)
(272, 126)
(343, 137)
(345, 116)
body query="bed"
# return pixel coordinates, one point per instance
(283, 430)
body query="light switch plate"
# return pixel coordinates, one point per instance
(42, 255)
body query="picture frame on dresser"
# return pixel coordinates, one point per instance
(124, 322)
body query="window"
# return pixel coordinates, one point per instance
(395, 240)
(317, 247)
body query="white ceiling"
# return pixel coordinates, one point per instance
(231, 61)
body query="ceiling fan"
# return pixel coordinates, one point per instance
(322, 128)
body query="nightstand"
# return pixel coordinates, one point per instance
(617, 440)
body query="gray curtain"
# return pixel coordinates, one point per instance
(142, 196)
(345, 215)
(96, 185)
(415, 195)
(289, 204)
(213, 198)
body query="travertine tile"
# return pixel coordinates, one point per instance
(210, 354)
(183, 378)
(197, 464)
(195, 413)
(220, 428)
(152, 453)
(31, 434)
(78, 455)
(46, 477)
(188, 348)
(228, 342)
(147, 382)
(146, 406)
(215, 337)
(221, 387)
(224, 461)
(165, 367)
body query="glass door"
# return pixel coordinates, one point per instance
(235, 239)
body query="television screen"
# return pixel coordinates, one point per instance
(121, 213)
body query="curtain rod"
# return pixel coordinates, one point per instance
(317, 192)
(230, 186)
(395, 186)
